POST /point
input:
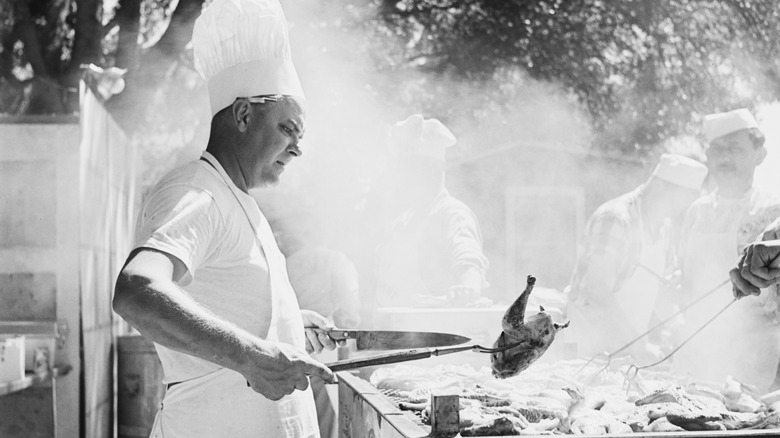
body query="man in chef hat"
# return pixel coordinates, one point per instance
(622, 265)
(435, 245)
(716, 229)
(206, 281)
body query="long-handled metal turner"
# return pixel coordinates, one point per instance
(416, 354)
(610, 356)
(632, 371)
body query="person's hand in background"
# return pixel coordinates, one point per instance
(758, 267)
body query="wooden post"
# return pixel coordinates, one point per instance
(445, 415)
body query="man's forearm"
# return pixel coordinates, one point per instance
(167, 315)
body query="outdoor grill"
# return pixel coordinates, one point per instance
(364, 411)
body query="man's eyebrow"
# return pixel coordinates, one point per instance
(296, 127)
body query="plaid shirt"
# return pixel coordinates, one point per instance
(614, 229)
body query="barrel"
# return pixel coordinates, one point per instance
(140, 389)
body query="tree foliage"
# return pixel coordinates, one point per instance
(44, 43)
(643, 69)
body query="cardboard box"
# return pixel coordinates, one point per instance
(11, 358)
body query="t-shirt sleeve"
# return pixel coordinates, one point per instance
(465, 239)
(182, 221)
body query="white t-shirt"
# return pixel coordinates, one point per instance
(192, 215)
(236, 271)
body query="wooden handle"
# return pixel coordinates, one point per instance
(341, 334)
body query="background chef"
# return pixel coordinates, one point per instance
(716, 230)
(434, 247)
(622, 265)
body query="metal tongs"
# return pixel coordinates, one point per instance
(416, 354)
(635, 369)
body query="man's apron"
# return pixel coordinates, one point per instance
(742, 341)
(220, 404)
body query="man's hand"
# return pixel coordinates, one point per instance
(463, 294)
(316, 326)
(759, 267)
(283, 369)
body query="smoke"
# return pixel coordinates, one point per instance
(767, 176)
(519, 157)
(343, 147)
(523, 161)
(513, 133)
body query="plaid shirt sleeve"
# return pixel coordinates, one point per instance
(608, 233)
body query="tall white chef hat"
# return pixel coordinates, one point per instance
(419, 136)
(681, 170)
(242, 49)
(720, 124)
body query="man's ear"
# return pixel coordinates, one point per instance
(241, 111)
(760, 155)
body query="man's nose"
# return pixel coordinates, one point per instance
(295, 150)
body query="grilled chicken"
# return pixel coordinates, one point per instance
(535, 333)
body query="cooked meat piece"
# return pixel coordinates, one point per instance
(535, 333)
(486, 399)
(696, 423)
(770, 398)
(548, 424)
(661, 410)
(703, 391)
(408, 406)
(740, 420)
(588, 425)
(745, 403)
(665, 395)
(684, 410)
(662, 425)
(740, 397)
(535, 414)
(585, 417)
(619, 428)
(496, 427)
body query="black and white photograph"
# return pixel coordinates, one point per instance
(389, 218)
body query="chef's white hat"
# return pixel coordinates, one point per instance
(242, 49)
(419, 136)
(720, 124)
(681, 170)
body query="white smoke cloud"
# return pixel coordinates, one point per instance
(767, 176)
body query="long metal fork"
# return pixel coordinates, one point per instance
(632, 371)
(610, 356)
